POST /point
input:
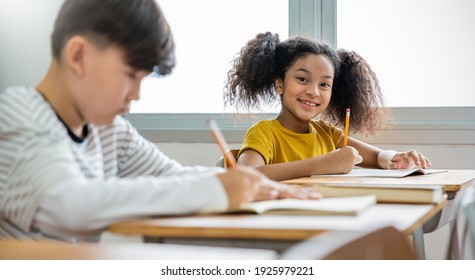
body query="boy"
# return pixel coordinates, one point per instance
(69, 166)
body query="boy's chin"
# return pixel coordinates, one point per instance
(103, 121)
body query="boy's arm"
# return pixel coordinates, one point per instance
(45, 187)
(137, 156)
(80, 206)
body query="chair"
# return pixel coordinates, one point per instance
(462, 237)
(222, 163)
(382, 244)
(469, 240)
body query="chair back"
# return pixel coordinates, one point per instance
(463, 232)
(224, 163)
(382, 244)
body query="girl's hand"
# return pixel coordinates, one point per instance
(342, 160)
(409, 159)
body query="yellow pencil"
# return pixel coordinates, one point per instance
(347, 127)
(223, 146)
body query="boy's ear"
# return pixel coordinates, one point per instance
(278, 86)
(75, 50)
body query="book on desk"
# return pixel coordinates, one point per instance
(386, 193)
(326, 206)
(382, 173)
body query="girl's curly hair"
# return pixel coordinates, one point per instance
(251, 80)
(265, 59)
(356, 87)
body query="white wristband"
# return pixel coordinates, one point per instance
(384, 158)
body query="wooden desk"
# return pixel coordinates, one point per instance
(50, 250)
(453, 182)
(262, 230)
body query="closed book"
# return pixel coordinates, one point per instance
(392, 193)
(326, 206)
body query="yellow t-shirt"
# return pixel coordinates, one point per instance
(277, 144)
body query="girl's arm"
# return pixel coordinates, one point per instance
(341, 160)
(374, 157)
(368, 152)
(338, 161)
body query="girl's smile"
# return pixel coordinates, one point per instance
(308, 103)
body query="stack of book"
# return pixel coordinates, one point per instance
(386, 193)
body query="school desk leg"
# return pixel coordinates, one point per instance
(418, 242)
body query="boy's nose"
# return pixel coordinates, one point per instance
(135, 91)
(135, 94)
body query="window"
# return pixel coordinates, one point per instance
(421, 50)
(208, 34)
(432, 100)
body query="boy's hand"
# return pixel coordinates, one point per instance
(274, 190)
(245, 184)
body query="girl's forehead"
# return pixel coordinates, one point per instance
(313, 62)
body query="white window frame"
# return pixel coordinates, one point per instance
(317, 19)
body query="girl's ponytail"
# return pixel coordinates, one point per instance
(251, 79)
(356, 87)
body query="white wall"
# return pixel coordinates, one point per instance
(25, 29)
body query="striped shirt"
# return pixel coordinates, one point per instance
(73, 189)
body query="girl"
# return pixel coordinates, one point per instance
(311, 80)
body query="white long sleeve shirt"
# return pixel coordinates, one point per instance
(61, 186)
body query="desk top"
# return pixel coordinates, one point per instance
(453, 180)
(404, 217)
(51, 250)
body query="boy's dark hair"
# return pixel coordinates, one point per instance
(265, 58)
(137, 26)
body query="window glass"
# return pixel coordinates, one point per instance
(208, 35)
(421, 50)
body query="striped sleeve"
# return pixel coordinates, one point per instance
(137, 156)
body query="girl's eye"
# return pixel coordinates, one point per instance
(325, 85)
(302, 79)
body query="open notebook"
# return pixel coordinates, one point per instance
(388, 173)
(325, 206)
